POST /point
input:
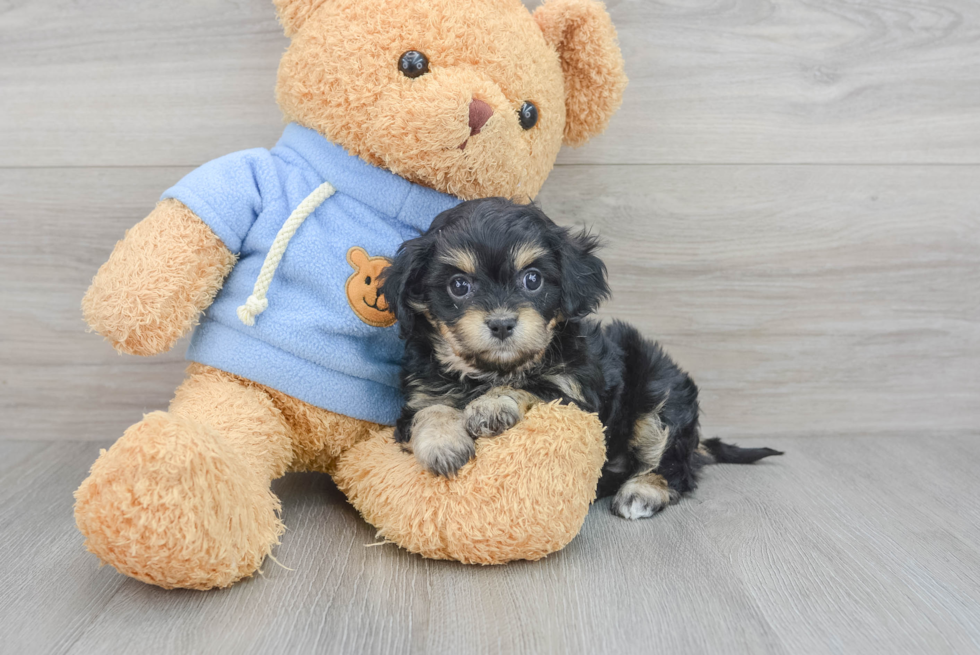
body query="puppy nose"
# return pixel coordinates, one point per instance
(480, 113)
(502, 328)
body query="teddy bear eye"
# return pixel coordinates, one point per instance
(528, 115)
(413, 64)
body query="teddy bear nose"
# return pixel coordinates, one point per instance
(480, 113)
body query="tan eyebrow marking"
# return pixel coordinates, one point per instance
(464, 260)
(524, 254)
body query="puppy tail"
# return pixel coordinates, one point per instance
(719, 452)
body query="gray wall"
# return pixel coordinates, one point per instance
(789, 197)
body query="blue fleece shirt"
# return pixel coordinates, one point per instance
(308, 343)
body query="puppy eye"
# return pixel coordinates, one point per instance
(414, 64)
(528, 115)
(460, 287)
(532, 280)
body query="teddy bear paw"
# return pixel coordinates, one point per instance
(173, 505)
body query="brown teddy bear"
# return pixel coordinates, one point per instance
(397, 110)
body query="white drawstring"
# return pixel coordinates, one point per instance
(257, 302)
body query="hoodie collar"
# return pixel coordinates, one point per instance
(383, 191)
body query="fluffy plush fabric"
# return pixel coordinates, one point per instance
(177, 504)
(584, 36)
(524, 495)
(157, 281)
(487, 49)
(309, 342)
(293, 13)
(183, 499)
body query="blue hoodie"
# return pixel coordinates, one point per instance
(308, 343)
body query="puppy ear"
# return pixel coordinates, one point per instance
(583, 34)
(293, 13)
(583, 275)
(401, 282)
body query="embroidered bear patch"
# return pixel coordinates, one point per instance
(362, 288)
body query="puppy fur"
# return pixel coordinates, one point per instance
(493, 302)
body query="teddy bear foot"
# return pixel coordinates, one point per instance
(172, 504)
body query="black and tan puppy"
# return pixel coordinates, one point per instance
(493, 303)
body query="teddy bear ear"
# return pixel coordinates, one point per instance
(583, 34)
(293, 13)
(357, 257)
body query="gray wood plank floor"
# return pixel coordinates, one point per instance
(789, 198)
(844, 545)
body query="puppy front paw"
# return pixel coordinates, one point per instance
(488, 416)
(439, 440)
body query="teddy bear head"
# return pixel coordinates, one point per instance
(470, 97)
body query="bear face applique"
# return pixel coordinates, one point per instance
(362, 288)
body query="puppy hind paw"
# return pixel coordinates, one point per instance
(488, 416)
(642, 497)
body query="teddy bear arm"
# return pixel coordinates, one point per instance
(157, 281)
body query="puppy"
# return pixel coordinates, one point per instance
(493, 304)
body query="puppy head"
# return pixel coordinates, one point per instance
(490, 282)
(470, 97)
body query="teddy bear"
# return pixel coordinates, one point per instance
(396, 110)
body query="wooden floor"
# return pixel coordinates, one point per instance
(844, 545)
(790, 198)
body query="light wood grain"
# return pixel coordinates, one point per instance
(876, 561)
(804, 300)
(746, 81)
(57, 380)
(52, 590)
(843, 545)
(789, 198)
(834, 81)
(118, 83)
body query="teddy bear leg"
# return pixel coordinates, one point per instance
(183, 498)
(319, 436)
(524, 495)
